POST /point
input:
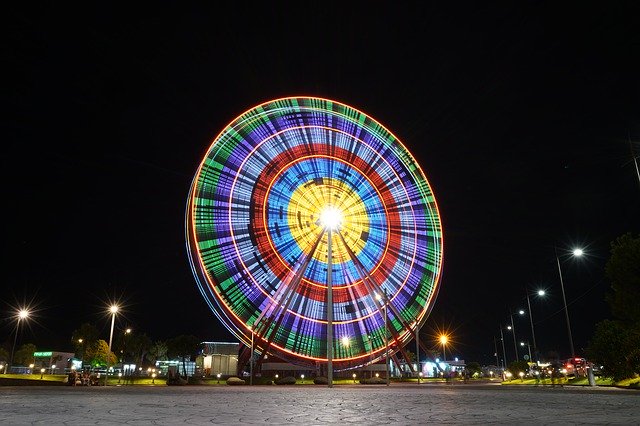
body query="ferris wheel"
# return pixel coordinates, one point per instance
(313, 232)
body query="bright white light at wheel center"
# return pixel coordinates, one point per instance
(331, 218)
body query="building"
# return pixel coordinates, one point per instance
(53, 361)
(218, 358)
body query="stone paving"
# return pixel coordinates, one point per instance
(408, 404)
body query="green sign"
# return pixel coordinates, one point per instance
(42, 354)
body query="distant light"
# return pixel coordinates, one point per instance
(443, 339)
(23, 313)
(508, 327)
(541, 292)
(521, 343)
(456, 358)
(114, 309)
(128, 331)
(578, 252)
(521, 312)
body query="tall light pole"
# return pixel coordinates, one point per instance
(443, 340)
(251, 360)
(386, 334)
(418, 352)
(512, 328)
(528, 346)
(533, 333)
(577, 253)
(504, 352)
(114, 310)
(22, 314)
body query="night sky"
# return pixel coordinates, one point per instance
(523, 115)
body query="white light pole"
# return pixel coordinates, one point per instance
(418, 352)
(22, 314)
(114, 310)
(528, 346)
(540, 293)
(512, 328)
(577, 253)
(251, 359)
(504, 352)
(443, 340)
(386, 335)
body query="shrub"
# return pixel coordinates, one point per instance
(373, 381)
(321, 381)
(288, 380)
(235, 381)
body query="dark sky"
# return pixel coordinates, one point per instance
(523, 116)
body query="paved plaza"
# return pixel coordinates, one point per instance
(409, 404)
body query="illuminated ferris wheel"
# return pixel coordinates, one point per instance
(312, 230)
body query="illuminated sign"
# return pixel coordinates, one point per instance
(42, 354)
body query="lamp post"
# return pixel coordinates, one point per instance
(22, 314)
(577, 253)
(386, 334)
(504, 353)
(443, 340)
(528, 346)
(251, 359)
(512, 328)
(540, 293)
(114, 310)
(418, 367)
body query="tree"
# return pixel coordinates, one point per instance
(617, 348)
(157, 352)
(140, 345)
(24, 355)
(98, 354)
(516, 367)
(84, 338)
(615, 344)
(623, 271)
(473, 368)
(183, 347)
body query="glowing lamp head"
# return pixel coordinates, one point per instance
(541, 292)
(113, 309)
(23, 313)
(345, 341)
(578, 252)
(331, 218)
(521, 312)
(443, 339)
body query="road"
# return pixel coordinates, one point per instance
(408, 404)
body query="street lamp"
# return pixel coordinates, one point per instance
(529, 346)
(576, 253)
(540, 293)
(22, 314)
(113, 309)
(512, 327)
(504, 352)
(443, 340)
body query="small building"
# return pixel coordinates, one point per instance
(218, 358)
(52, 361)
